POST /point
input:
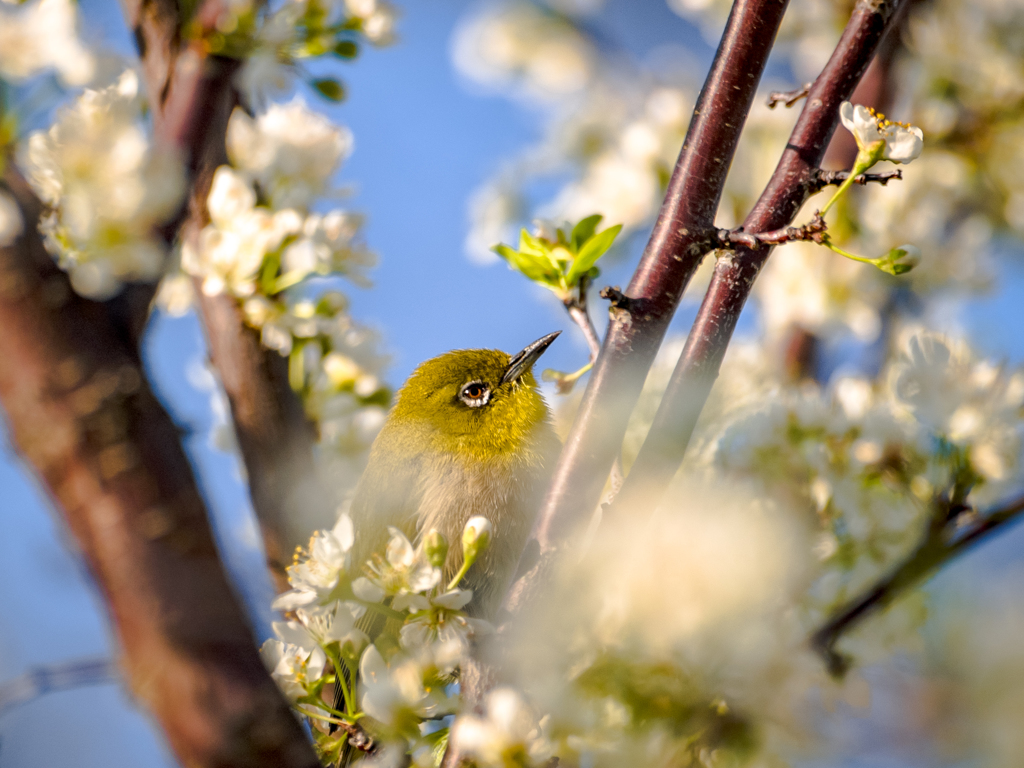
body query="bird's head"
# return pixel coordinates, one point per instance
(478, 402)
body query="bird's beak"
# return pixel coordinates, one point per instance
(522, 362)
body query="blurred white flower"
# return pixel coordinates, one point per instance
(437, 629)
(290, 150)
(509, 733)
(107, 187)
(519, 44)
(390, 692)
(40, 35)
(294, 659)
(11, 223)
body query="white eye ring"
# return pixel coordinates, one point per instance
(475, 402)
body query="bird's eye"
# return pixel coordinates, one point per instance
(475, 394)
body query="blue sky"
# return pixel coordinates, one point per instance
(423, 142)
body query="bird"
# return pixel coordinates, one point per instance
(469, 435)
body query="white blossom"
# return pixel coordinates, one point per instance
(291, 151)
(901, 143)
(107, 187)
(11, 223)
(404, 569)
(42, 35)
(508, 734)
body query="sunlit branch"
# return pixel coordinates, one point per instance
(577, 309)
(947, 537)
(733, 279)
(193, 98)
(82, 415)
(681, 237)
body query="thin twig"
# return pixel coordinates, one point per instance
(38, 681)
(813, 231)
(687, 391)
(577, 309)
(822, 179)
(789, 98)
(943, 541)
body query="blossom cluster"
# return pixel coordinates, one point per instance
(274, 39)
(267, 247)
(108, 189)
(324, 661)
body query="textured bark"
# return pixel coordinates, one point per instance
(82, 415)
(682, 236)
(193, 98)
(734, 275)
(274, 435)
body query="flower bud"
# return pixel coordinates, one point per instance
(475, 538)
(435, 546)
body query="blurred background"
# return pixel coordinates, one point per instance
(453, 149)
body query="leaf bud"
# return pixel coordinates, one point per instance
(435, 546)
(899, 260)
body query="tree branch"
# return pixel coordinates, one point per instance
(944, 540)
(683, 233)
(82, 415)
(193, 99)
(733, 279)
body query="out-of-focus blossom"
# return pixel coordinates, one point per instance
(508, 734)
(437, 629)
(107, 189)
(289, 150)
(970, 402)
(392, 692)
(42, 35)
(11, 223)
(520, 43)
(294, 658)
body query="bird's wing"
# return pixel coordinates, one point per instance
(388, 494)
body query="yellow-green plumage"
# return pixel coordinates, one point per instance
(446, 455)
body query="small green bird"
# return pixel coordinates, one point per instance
(469, 435)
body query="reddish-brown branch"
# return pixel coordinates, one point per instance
(274, 435)
(193, 98)
(734, 275)
(681, 237)
(82, 415)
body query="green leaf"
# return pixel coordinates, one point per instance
(346, 49)
(329, 88)
(535, 268)
(541, 249)
(584, 231)
(592, 250)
